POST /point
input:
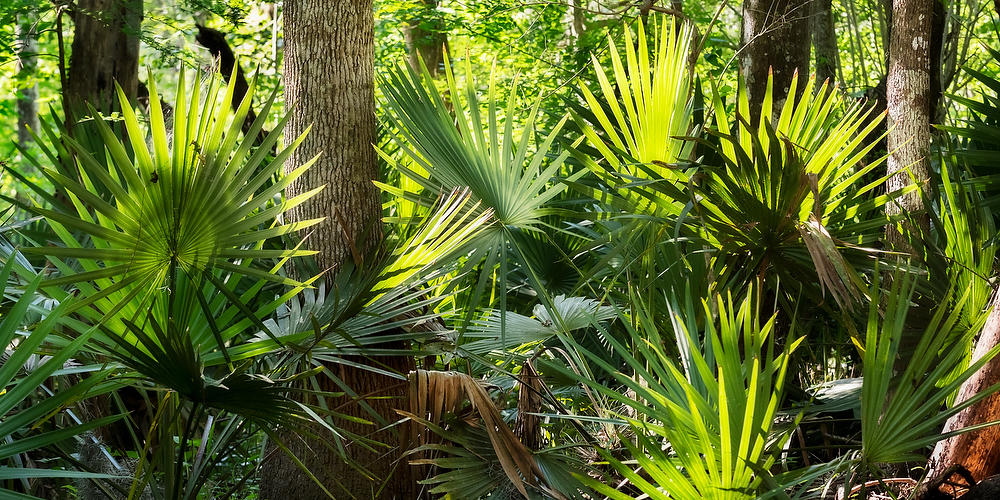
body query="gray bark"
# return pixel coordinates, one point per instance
(579, 19)
(824, 40)
(775, 40)
(908, 96)
(425, 39)
(27, 96)
(329, 77)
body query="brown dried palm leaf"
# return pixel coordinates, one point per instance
(434, 394)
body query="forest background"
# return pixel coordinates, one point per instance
(613, 249)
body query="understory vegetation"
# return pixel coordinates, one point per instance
(644, 282)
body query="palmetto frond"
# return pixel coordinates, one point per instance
(512, 174)
(18, 386)
(901, 413)
(505, 171)
(195, 200)
(646, 137)
(716, 408)
(654, 115)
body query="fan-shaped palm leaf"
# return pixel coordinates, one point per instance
(194, 202)
(901, 413)
(716, 409)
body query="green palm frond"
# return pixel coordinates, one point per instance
(506, 172)
(902, 413)
(791, 196)
(716, 409)
(510, 173)
(525, 332)
(451, 225)
(21, 408)
(645, 140)
(192, 200)
(981, 132)
(655, 112)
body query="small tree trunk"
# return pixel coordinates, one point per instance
(775, 40)
(977, 451)
(105, 50)
(908, 96)
(824, 40)
(215, 42)
(27, 96)
(579, 20)
(426, 38)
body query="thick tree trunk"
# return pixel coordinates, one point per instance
(329, 77)
(908, 96)
(27, 96)
(105, 50)
(775, 40)
(824, 40)
(977, 451)
(426, 38)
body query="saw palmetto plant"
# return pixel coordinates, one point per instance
(24, 374)
(509, 172)
(650, 122)
(643, 277)
(189, 201)
(704, 427)
(901, 411)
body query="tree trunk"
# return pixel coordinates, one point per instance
(977, 451)
(775, 35)
(579, 20)
(27, 96)
(824, 40)
(908, 96)
(935, 108)
(329, 77)
(425, 38)
(105, 50)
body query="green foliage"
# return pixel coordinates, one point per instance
(634, 294)
(716, 408)
(902, 412)
(19, 385)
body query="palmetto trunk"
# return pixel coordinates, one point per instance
(329, 78)
(776, 40)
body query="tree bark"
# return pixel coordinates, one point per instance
(579, 20)
(824, 40)
(105, 50)
(329, 77)
(977, 451)
(426, 39)
(908, 96)
(27, 96)
(775, 40)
